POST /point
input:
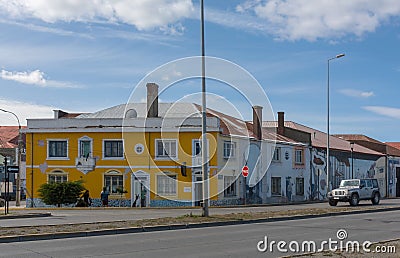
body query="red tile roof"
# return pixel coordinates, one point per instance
(319, 139)
(371, 143)
(236, 127)
(8, 136)
(394, 144)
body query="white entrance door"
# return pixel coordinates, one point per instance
(140, 189)
(198, 189)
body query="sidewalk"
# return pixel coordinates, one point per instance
(92, 215)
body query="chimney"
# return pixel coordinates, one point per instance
(281, 123)
(152, 99)
(59, 113)
(257, 122)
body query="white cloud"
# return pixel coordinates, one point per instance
(36, 78)
(316, 19)
(385, 111)
(357, 93)
(23, 111)
(142, 14)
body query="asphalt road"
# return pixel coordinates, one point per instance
(88, 215)
(225, 241)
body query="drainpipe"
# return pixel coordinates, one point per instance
(32, 170)
(386, 175)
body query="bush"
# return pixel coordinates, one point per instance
(61, 193)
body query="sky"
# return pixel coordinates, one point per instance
(84, 56)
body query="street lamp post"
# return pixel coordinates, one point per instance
(352, 160)
(18, 181)
(328, 135)
(205, 212)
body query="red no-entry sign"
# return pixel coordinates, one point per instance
(245, 171)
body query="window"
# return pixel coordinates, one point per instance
(196, 148)
(113, 149)
(166, 184)
(57, 149)
(298, 157)
(113, 180)
(299, 186)
(229, 186)
(139, 148)
(85, 147)
(57, 177)
(277, 154)
(275, 185)
(229, 149)
(166, 148)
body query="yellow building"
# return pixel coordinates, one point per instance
(151, 150)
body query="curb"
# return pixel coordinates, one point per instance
(25, 216)
(117, 231)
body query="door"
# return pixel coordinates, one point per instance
(363, 189)
(198, 190)
(140, 196)
(397, 182)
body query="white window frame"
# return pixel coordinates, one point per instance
(172, 188)
(57, 173)
(298, 154)
(88, 139)
(113, 173)
(60, 157)
(196, 142)
(230, 186)
(104, 149)
(277, 157)
(229, 146)
(167, 156)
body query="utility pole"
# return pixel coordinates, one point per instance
(204, 118)
(6, 187)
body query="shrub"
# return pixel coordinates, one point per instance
(61, 193)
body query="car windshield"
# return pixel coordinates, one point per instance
(350, 183)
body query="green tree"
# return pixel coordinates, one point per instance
(61, 193)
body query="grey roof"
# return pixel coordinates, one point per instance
(172, 110)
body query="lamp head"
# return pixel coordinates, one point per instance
(340, 55)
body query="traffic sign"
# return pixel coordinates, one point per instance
(245, 171)
(12, 169)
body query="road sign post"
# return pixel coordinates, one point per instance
(12, 169)
(245, 171)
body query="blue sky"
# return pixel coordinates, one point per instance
(83, 56)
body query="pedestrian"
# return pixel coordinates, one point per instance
(104, 197)
(87, 199)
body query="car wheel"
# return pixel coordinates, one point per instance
(333, 202)
(376, 198)
(2, 202)
(354, 199)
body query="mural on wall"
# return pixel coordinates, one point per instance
(341, 167)
(318, 176)
(393, 163)
(289, 188)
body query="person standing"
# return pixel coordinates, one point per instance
(86, 198)
(104, 196)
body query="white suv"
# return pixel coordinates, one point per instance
(354, 190)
